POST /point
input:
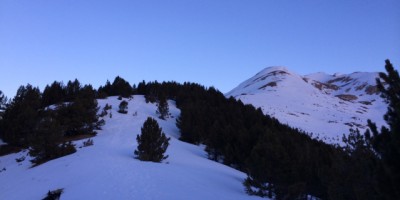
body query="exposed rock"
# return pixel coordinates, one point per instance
(371, 90)
(322, 86)
(271, 84)
(341, 79)
(347, 97)
(366, 102)
(360, 87)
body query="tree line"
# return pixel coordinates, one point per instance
(43, 122)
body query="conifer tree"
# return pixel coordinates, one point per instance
(72, 90)
(123, 106)
(3, 102)
(118, 87)
(152, 142)
(142, 88)
(87, 98)
(53, 94)
(79, 116)
(162, 107)
(21, 116)
(45, 142)
(3, 105)
(387, 142)
(105, 90)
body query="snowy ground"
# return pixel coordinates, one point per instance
(107, 170)
(297, 101)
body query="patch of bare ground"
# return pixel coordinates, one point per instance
(371, 90)
(322, 86)
(341, 79)
(270, 84)
(366, 102)
(347, 97)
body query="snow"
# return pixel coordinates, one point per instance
(108, 170)
(297, 101)
(322, 77)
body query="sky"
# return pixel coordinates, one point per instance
(214, 43)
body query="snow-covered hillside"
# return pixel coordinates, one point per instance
(108, 170)
(325, 105)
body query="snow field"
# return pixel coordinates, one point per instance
(108, 170)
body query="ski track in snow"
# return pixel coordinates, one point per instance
(108, 170)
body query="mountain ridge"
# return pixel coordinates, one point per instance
(324, 105)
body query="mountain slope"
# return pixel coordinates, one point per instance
(325, 105)
(107, 170)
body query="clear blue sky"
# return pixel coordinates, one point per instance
(212, 42)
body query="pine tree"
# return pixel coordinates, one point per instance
(3, 106)
(152, 142)
(79, 117)
(142, 88)
(105, 91)
(360, 174)
(53, 94)
(162, 107)
(120, 87)
(3, 102)
(21, 116)
(72, 90)
(387, 142)
(87, 98)
(45, 142)
(123, 106)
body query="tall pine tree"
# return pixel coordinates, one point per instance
(79, 116)
(72, 90)
(162, 107)
(3, 102)
(152, 142)
(45, 142)
(123, 106)
(53, 94)
(3, 105)
(386, 142)
(121, 87)
(21, 116)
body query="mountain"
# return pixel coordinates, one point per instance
(326, 106)
(108, 169)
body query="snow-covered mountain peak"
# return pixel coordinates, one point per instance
(323, 104)
(270, 69)
(269, 78)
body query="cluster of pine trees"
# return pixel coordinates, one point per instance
(43, 122)
(119, 87)
(282, 162)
